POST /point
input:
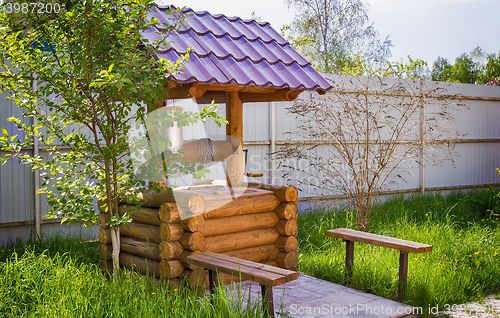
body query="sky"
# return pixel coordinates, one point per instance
(423, 29)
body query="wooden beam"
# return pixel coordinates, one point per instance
(221, 97)
(160, 103)
(206, 93)
(234, 115)
(198, 90)
(217, 97)
(233, 88)
(280, 95)
(180, 92)
(234, 129)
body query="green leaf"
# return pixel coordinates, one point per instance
(14, 120)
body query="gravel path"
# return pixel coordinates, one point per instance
(489, 308)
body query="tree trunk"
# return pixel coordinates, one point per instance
(115, 243)
(364, 209)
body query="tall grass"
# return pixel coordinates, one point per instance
(463, 229)
(40, 280)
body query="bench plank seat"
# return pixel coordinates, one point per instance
(235, 269)
(404, 247)
(289, 275)
(379, 240)
(267, 276)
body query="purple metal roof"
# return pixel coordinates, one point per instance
(230, 50)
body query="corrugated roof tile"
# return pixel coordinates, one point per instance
(230, 50)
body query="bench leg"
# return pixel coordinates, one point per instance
(267, 299)
(403, 274)
(349, 261)
(212, 280)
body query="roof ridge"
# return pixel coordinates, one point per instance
(221, 15)
(171, 48)
(216, 15)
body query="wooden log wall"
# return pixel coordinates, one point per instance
(287, 227)
(259, 228)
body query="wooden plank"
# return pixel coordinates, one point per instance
(245, 272)
(290, 275)
(379, 240)
(221, 265)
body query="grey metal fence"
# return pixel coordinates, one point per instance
(265, 127)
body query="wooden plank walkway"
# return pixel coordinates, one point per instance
(309, 297)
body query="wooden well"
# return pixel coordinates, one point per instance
(260, 225)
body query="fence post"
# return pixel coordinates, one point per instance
(421, 166)
(272, 138)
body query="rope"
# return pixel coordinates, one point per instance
(205, 150)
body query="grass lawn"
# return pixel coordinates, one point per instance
(463, 266)
(61, 278)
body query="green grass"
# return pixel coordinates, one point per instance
(463, 266)
(61, 278)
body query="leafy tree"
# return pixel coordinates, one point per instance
(491, 70)
(362, 140)
(468, 68)
(410, 69)
(96, 75)
(335, 34)
(441, 70)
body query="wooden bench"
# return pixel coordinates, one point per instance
(404, 247)
(267, 276)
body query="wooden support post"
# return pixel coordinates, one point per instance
(234, 129)
(349, 260)
(403, 274)
(212, 280)
(267, 299)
